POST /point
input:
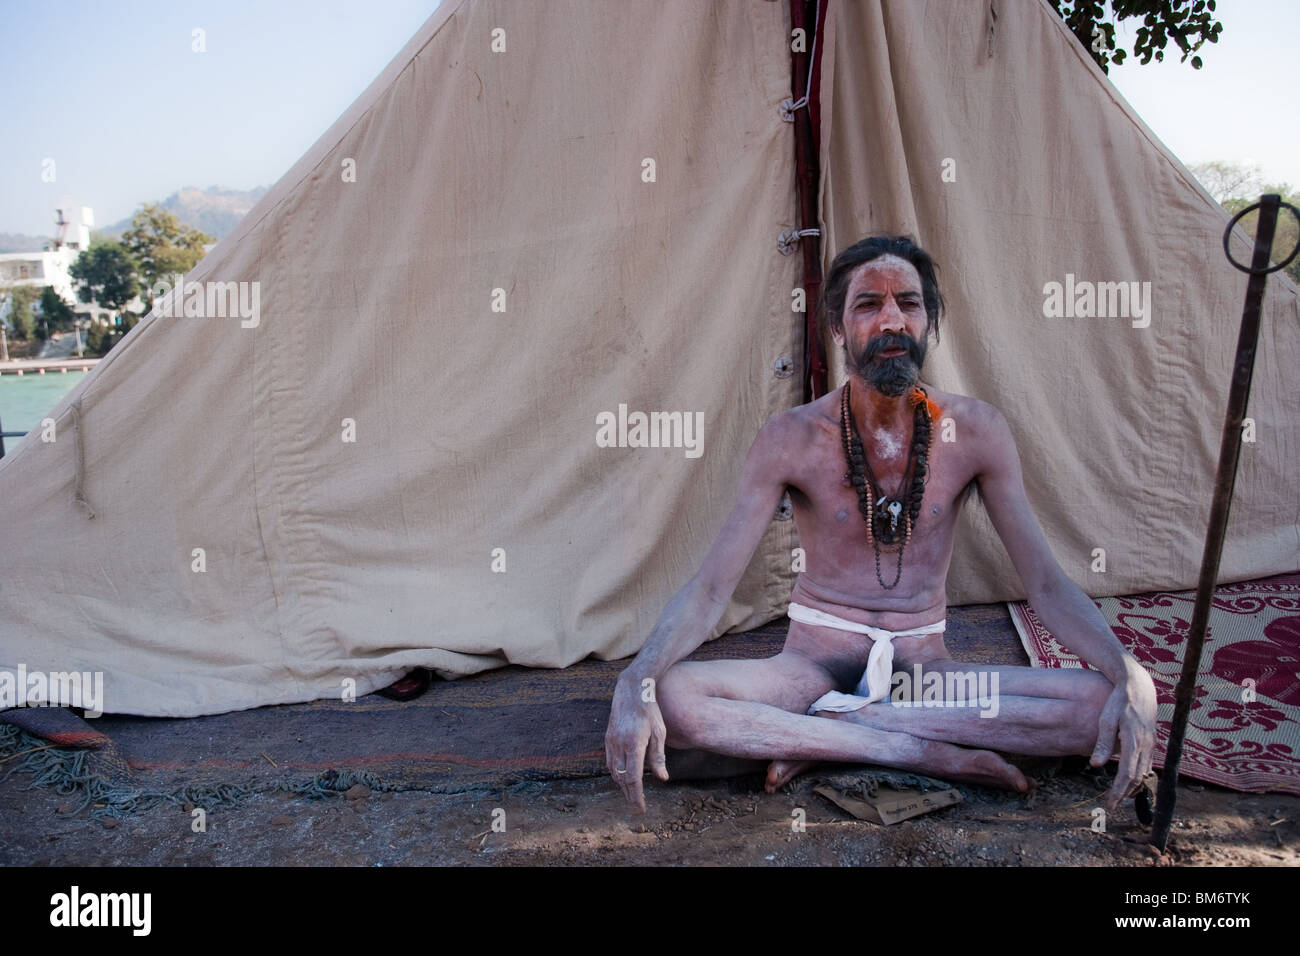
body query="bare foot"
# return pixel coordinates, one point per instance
(948, 761)
(781, 772)
(983, 767)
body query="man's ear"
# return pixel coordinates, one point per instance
(838, 335)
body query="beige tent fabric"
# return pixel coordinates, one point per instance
(1118, 427)
(332, 566)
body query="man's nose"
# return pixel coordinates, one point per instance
(891, 317)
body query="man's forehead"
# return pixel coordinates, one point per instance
(885, 271)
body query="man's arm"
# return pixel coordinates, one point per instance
(1065, 610)
(689, 618)
(695, 610)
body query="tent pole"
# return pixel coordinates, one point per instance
(805, 77)
(1229, 452)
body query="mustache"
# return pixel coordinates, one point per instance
(895, 375)
(883, 343)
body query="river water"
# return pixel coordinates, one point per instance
(26, 399)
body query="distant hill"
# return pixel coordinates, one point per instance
(17, 242)
(214, 210)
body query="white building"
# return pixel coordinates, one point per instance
(40, 269)
(50, 267)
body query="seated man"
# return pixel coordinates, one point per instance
(876, 503)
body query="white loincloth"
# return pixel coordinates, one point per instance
(874, 684)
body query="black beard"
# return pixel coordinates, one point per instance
(894, 375)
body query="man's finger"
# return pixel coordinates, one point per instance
(631, 778)
(630, 792)
(1130, 760)
(624, 779)
(615, 764)
(611, 764)
(636, 772)
(1121, 788)
(635, 792)
(1126, 776)
(1107, 727)
(658, 761)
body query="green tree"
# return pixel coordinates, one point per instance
(21, 318)
(162, 245)
(1189, 23)
(107, 274)
(1224, 180)
(1288, 232)
(57, 314)
(99, 339)
(1238, 185)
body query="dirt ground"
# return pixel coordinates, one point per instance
(706, 823)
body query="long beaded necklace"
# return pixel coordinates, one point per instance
(883, 517)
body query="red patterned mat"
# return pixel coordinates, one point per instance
(1244, 728)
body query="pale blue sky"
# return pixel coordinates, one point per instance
(111, 90)
(114, 94)
(1241, 106)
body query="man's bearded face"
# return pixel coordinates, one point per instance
(891, 374)
(885, 325)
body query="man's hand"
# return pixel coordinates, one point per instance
(1128, 718)
(634, 723)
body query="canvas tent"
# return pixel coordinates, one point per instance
(396, 463)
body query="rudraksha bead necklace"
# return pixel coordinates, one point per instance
(884, 513)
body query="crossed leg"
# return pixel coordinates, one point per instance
(757, 709)
(1032, 711)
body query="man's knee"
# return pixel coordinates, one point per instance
(678, 697)
(1097, 689)
(1094, 692)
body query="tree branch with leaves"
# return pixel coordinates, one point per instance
(162, 245)
(1190, 24)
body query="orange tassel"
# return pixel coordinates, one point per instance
(918, 395)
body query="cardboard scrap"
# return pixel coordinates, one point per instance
(886, 805)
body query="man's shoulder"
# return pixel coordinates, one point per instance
(968, 412)
(981, 428)
(806, 423)
(796, 426)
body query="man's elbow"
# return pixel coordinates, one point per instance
(712, 592)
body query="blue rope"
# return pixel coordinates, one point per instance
(66, 771)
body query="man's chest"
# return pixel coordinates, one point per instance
(822, 478)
